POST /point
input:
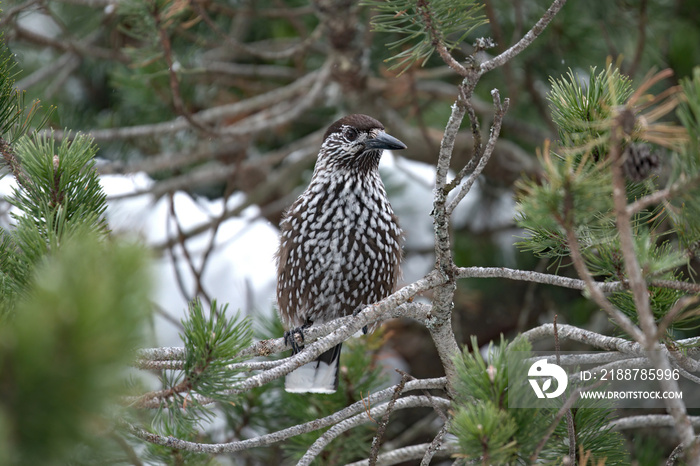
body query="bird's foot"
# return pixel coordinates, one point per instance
(357, 311)
(295, 337)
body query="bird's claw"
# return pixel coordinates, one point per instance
(357, 311)
(295, 338)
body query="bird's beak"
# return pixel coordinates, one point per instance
(384, 141)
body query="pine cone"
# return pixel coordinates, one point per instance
(639, 161)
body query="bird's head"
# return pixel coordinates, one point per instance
(356, 142)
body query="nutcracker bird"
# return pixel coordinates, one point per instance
(340, 246)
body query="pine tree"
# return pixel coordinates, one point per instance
(221, 94)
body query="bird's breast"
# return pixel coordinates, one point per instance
(344, 247)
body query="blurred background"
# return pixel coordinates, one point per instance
(208, 115)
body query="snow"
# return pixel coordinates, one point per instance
(240, 269)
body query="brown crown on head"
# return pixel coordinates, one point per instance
(358, 121)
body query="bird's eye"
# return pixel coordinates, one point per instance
(350, 134)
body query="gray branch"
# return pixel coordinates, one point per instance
(343, 426)
(527, 39)
(274, 437)
(404, 454)
(649, 420)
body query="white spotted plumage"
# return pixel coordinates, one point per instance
(349, 238)
(341, 245)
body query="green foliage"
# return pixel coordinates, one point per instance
(577, 182)
(15, 118)
(212, 341)
(482, 422)
(73, 304)
(58, 195)
(486, 428)
(63, 356)
(594, 436)
(582, 110)
(660, 301)
(685, 211)
(424, 24)
(575, 191)
(64, 190)
(211, 344)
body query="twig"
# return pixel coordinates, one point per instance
(434, 446)
(675, 455)
(569, 418)
(406, 454)
(278, 436)
(648, 420)
(367, 407)
(534, 277)
(67, 45)
(437, 40)
(641, 38)
(379, 436)
(633, 270)
(501, 110)
(663, 194)
(640, 293)
(348, 327)
(579, 264)
(180, 364)
(584, 336)
(413, 310)
(560, 414)
(178, 103)
(200, 291)
(256, 52)
(527, 39)
(679, 305)
(10, 13)
(347, 424)
(214, 114)
(179, 279)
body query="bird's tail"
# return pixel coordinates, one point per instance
(318, 376)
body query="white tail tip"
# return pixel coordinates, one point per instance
(313, 377)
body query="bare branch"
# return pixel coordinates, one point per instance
(501, 110)
(405, 454)
(584, 336)
(68, 45)
(661, 195)
(434, 446)
(648, 420)
(348, 327)
(535, 277)
(295, 49)
(217, 114)
(278, 436)
(379, 436)
(527, 39)
(332, 433)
